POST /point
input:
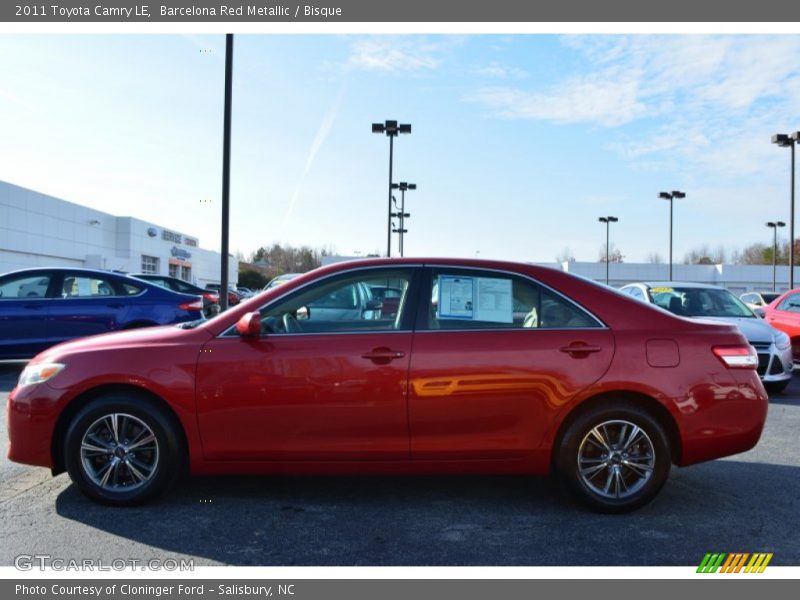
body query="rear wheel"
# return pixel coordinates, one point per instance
(122, 450)
(614, 458)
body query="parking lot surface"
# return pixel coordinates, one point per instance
(744, 503)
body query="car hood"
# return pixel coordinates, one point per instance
(146, 336)
(755, 330)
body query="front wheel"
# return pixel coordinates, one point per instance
(122, 450)
(614, 458)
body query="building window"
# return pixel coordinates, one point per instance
(186, 273)
(171, 236)
(190, 242)
(150, 265)
(174, 271)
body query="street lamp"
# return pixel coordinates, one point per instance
(670, 196)
(402, 215)
(783, 140)
(391, 129)
(774, 225)
(608, 221)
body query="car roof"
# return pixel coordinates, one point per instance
(36, 270)
(678, 284)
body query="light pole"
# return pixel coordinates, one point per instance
(608, 221)
(670, 196)
(402, 215)
(226, 171)
(391, 129)
(774, 226)
(783, 140)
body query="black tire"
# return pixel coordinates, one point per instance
(137, 416)
(636, 487)
(776, 387)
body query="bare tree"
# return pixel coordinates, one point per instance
(614, 255)
(565, 256)
(654, 258)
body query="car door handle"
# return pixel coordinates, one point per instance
(383, 355)
(579, 350)
(115, 305)
(33, 306)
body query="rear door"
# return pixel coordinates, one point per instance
(24, 307)
(495, 356)
(85, 304)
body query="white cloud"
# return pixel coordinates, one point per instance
(584, 99)
(496, 70)
(398, 53)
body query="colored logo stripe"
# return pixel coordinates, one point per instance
(734, 562)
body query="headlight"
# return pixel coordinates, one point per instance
(39, 373)
(782, 341)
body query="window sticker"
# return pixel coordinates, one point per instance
(485, 299)
(456, 297)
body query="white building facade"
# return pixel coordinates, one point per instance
(37, 230)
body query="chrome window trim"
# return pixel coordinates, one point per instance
(232, 328)
(601, 324)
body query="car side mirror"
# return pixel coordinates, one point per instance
(303, 313)
(760, 312)
(249, 325)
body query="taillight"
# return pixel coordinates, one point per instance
(213, 298)
(737, 357)
(193, 305)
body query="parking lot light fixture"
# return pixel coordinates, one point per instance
(671, 196)
(608, 220)
(774, 226)
(402, 214)
(391, 129)
(784, 140)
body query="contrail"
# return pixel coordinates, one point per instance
(322, 133)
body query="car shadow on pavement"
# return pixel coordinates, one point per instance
(725, 505)
(9, 373)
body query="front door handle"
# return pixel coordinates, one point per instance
(383, 355)
(579, 350)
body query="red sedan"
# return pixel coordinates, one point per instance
(484, 367)
(784, 313)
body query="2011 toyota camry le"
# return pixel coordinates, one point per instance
(481, 367)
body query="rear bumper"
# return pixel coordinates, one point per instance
(728, 424)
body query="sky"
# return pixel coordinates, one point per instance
(519, 142)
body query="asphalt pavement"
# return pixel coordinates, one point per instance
(744, 503)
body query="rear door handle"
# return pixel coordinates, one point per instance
(579, 350)
(383, 355)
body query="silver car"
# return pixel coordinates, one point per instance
(710, 302)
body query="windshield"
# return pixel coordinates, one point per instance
(700, 302)
(768, 298)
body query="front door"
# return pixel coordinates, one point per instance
(24, 307)
(326, 380)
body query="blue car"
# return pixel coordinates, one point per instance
(43, 307)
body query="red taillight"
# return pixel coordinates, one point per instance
(213, 298)
(194, 305)
(737, 357)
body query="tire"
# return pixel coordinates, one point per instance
(776, 387)
(609, 483)
(116, 473)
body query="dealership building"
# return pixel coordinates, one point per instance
(37, 230)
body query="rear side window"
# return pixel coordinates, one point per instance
(24, 286)
(488, 300)
(129, 289)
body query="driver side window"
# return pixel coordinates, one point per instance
(353, 303)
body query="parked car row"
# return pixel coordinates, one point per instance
(43, 307)
(402, 366)
(713, 303)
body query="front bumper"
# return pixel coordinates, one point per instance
(31, 417)
(774, 365)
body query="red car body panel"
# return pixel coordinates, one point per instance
(454, 402)
(786, 321)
